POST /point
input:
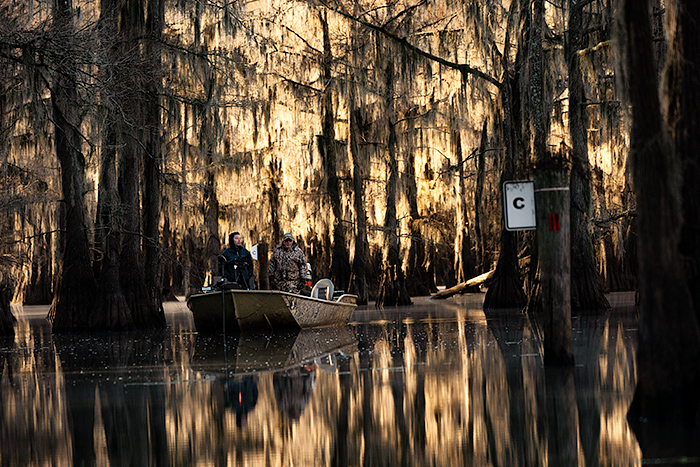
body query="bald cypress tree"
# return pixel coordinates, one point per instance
(76, 288)
(669, 338)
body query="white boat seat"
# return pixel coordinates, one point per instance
(323, 284)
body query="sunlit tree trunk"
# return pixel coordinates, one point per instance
(586, 287)
(478, 197)
(392, 286)
(340, 259)
(76, 288)
(418, 281)
(464, 258)
(669, 338)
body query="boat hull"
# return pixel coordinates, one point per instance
(244, 310)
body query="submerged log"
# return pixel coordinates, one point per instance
(460, 288)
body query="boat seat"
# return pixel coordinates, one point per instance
(323, 284)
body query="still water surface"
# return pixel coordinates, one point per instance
(438, 383)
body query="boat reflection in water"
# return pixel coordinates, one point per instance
(292, 357)
(433, 384)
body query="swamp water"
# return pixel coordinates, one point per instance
(438, 383)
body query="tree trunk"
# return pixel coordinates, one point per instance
(586, 287)
(478, 194)
(683, 100)
(152, 161)
(392, 285)
(358, 283)
(551, 293)
(7, 320)
(340, 258)
(463, 257)
(554, 262)
(132, 272)
(76, 288)
(506, 289)
(418, 281)
(112, 311)
(669, 338)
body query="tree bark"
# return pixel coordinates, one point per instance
(358, 283)
(152, 162)
(7, 320)
(392, 285)
(506, 289)
(112, 310)
(132, 272)
(587, 294)
(554, 262)
(551, 294)
(76, 288)
(478, 195)
(669, 338)
(682, 91)
(463, 256)
(340, 258)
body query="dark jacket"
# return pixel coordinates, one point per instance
(237, 257)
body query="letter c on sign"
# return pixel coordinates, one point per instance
(519, 203)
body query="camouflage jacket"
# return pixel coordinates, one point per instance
(287, 269)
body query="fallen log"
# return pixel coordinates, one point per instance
(459, 288)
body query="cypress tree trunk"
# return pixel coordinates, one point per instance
(418, 281)
(211, 212)
(669, 338)
(392, 285)
(478, 194)
(554, 262)
(506, 289)
(112, 311)
(7, 328)
(132, 272)
(340, 258)
(463, 257)
(683, 102)
(358, 283)
(360, 262)
(586, 287)
(152, 161)
(552, 293)
(76, 288)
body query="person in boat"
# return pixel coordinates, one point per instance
(287, 268)
(237, 262)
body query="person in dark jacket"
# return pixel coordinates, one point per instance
(238, 264)
(287, 269)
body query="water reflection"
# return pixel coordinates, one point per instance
(434, 384)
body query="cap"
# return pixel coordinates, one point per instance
(288, 236)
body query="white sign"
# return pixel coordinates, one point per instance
(519, 205)
(254, 252)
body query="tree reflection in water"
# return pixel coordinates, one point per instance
(434, 384)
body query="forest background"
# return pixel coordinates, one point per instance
(379, 133)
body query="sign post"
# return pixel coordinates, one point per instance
(519, 205)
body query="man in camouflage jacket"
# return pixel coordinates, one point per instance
(287, 270)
